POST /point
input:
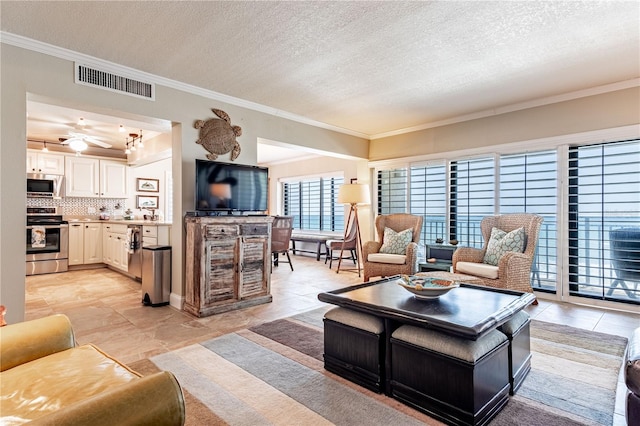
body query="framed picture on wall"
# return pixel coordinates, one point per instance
(148, 185)
(147, 201)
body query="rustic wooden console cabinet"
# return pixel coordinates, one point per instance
(228, 260)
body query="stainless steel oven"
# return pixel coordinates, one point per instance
(47, 241)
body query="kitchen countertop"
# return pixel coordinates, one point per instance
(117, 221)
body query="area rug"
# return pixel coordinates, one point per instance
(273, 374)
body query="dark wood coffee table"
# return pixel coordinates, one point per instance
(468, 312)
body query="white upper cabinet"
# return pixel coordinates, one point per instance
(44, 162)
(82, 177)
(113, 179)
(90, 177)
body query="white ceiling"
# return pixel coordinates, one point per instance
(372, 68)
(47, 122)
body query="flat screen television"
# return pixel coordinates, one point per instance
(230, 187)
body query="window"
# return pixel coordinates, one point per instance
(528, 183)
(604, 196)
(602, 210)
(392, 191)
(472, 195)
(313, 204)
(428, 187)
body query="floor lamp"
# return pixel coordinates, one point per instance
(353, 194)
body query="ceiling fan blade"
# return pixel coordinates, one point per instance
(89, 139)
(97, 142)
(65, 141)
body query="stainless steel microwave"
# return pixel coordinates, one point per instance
(45, 186)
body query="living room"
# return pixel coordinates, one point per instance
(555, 122)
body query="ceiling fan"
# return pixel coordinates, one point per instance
(75, 138)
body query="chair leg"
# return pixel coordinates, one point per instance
(275, 259)
(289, 259)
(353, 256)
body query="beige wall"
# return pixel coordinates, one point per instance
(609, 110)
(41, 77)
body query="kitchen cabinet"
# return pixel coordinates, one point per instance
(91, 177)
(153, 235)
(85, 243)
(115, 247)
(230, 266)
(93, 243)
(45, 162)
(76, 244)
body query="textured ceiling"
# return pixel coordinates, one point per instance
(370, 67)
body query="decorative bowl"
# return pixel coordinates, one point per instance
(426, 287)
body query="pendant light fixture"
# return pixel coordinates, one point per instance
(131, 145)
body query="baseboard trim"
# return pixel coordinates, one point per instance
(176, 300)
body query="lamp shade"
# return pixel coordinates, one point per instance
(354, 193)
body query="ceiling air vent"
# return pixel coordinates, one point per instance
(113, 82)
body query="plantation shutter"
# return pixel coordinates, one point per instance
(472, 196)
(529, 183)
(428, 189)
(313, 204)
(604, 197)
(392, 191)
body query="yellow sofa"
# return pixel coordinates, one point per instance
(47, 380)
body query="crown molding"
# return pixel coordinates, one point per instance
(621, 85)
(589, 137)
(70, 55)
(62, 53)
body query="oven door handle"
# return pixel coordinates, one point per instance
(64, 225)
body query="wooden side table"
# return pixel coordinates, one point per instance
(437, 266)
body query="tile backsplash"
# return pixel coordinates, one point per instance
(78, 206)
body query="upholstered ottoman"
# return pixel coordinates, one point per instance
(517, 331)
(455, 380)
(354, 347)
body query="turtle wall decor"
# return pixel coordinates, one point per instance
(218, 136)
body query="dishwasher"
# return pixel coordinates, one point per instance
(134, 237)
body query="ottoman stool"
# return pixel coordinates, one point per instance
(517, 331)
(456, 380)
(354, 347)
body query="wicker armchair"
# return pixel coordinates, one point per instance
(514, 269)
(398, 222)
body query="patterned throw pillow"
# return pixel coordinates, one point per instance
(501, 242)
(396, 242)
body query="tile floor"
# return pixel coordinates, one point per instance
(104, 308)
